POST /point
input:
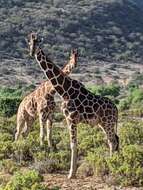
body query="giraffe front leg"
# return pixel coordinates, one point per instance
(49, 132)
(73, 145)
(42, 128)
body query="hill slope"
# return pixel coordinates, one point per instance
(105, 30)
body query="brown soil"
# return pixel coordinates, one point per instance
(85, 183)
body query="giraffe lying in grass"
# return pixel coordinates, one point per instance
(41, 102)
(78, 103)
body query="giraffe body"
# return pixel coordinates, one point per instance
(79, 104)
(41, 103)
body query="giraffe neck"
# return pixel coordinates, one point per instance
(58, 79)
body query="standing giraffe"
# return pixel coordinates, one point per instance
(41, 102)
(79, 104)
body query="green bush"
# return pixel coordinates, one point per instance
(8, 166)
(97, 160)
(127, 166)
(6, 148)
(93, 138)
(109, 90)
(131, 133)
(8, 125)
(26, 180)
(9, 105)
(136, 95)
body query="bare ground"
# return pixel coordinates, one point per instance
(81, 183)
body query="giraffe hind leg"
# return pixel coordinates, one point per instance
(19, 128)
(28, 125)
(113, 139)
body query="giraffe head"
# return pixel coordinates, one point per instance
(32, 42)
(74, 57)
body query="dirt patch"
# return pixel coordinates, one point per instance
(80, 183)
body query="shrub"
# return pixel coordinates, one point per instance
(109, 90)
(127, 166)
(9, 105)
(8, 166)
(5, 145)
(136, 95)
(22, 151)
(97, 160)
(27, 180)
(131, 133)
(93, 138)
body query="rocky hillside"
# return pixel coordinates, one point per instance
(103, 30)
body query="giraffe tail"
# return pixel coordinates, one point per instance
(116, 127)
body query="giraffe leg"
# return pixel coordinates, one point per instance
(19, 127)
(113, 139)
(49, 131)
(73, 145)
(28, 125)
(42, 127)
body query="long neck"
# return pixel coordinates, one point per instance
(58, 79)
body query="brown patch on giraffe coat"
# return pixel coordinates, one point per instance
(85, 116)
(43, 57)
(66, 84)
(39, 56)
(50, 66)
(75, 94)
(104, 106)
(81, 108)
(77, 102)
(101, 112)
(83, 91)
(85, 102)
(49, 74)
(70, 91)
(56, 71)
(96, 107)
(90, 103)
(66, 112)
(90, 96)
(60, 79)
(53, 81)
(74, 114)
(43, 65)
(90, 115)
(66, 96)
(108, 112)
(88, 109)
(100, 102)
(75, 84)
(81, 97)
(109, 106)
(59, 89)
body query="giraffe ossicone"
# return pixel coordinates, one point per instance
(79, 105)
